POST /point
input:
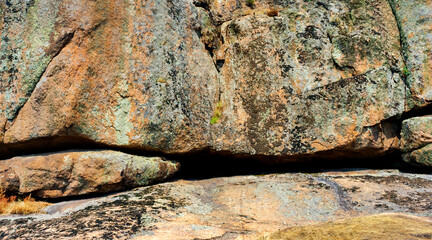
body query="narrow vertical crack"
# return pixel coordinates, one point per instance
(402, 40)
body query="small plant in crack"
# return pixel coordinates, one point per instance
(217, 113)
(405, 72)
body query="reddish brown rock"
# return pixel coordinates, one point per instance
(124, 73)
(183, 76)
(78, 173)
(242, 207)
(309, 80)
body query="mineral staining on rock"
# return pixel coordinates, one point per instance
(421, 157)
(132, 74)
(416, 140)
(415, 23)
(26, 31)
(309, 80)
(416, 133)
(229, 207)
(155, 75)
(77, 173)
(181, 76)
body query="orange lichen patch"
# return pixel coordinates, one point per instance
(28, 205)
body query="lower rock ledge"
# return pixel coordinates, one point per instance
(240, 207)
(82, 172)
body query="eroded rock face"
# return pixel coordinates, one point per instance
(242, 207)
(421, 156)
(416, 140)
(415, 22)
(282, 79)
(125, 73)
(416, 133)
(77, 173)
(310, 79)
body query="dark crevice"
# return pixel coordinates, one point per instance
(206, 164)
(55, 49)
(219, 64)
(202, 4)
(402, 37)
(209, 163)
(211, 37)
(402, 42)
(418, 112)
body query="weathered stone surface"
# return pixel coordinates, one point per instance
(415, 23)
(77, 173)
(416, 133)
(242, 207)
(309, 80)
(416, 140)
(182, 76)
(422, 156)
(125, 73)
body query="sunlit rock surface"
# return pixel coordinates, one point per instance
(79, 173)
(239, 207)
(274, 79)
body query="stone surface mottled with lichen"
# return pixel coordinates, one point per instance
(309, 80)
(416, 140)
(416, 133)
(241, 207)
(415, 24)
(421, 157)
(312, 78)
(78, 173)
(124, 73)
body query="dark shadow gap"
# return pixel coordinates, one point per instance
(418, 112)
(207, 164)
(212, 166)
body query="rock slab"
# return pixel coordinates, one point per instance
(79, 173)
(241, 207)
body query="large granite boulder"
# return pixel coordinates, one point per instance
(78, 173)
(309, 80)
(124, 73)
(273, 78)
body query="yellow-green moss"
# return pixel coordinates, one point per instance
(217, 113)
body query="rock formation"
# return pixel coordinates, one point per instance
(416, 140)
(281, 80)
(78, 173)
(261, 81)
(241, 207)
(272, 80)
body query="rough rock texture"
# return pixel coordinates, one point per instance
(125, 73)
(309, 80)
(181, 76)
(416, 133)
(415, 23)
(77, 173)
(243, 207)
(416, 140)
(422, 156)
